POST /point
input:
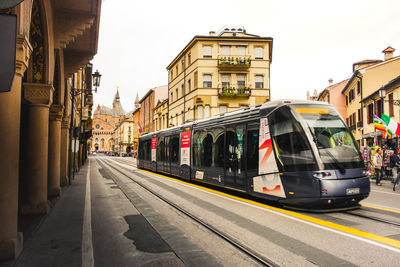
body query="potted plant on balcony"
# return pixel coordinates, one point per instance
(232, 91)
(240, 91)
(224, 91)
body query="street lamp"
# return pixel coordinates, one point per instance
(96, 80)
(72, 131)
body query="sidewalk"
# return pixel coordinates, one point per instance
(95, 225)
(56, 240)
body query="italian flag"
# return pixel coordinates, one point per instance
(393, 127)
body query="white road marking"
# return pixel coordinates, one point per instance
(87, 243)
(384, 192)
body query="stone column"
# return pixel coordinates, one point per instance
(10, 109)
(56, 113)
(64, 151)
(40, 97)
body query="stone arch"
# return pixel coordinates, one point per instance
(41, 66)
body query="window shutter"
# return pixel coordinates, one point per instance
(258, 52)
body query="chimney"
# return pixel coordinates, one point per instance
(212, 33)
(330, 81)
(388, 52)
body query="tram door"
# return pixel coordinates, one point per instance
(234, 157)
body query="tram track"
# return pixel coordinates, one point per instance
(260, 259)
(372, 218)
(355, 213)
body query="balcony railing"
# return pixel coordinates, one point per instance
(359, 124)
(352, 127)
(234, 61)
(233, 91)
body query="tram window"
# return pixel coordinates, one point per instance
(166, 150)
(148, 150)
(196, 148)
(160, 149)
(292, 149)
(202, 149)
(218, 147)
(252, 149)
(174, 149)
(207, 151)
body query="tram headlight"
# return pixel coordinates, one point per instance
(321, 175)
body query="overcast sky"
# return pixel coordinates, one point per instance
(312, 40)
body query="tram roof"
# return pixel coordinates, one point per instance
(244, 112)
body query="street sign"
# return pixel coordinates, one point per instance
(8, 33)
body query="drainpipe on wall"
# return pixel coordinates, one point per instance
(362, 108)
(184, 88)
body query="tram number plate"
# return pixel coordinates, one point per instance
(352, 191)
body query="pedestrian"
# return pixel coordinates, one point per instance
(396, 174)
(394, 162)
(386, 162)
(378, 165)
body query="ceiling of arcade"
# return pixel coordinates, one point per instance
(76, 28)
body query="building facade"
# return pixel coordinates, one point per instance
(333, 95)
(105, 120)
(55, 39)
(160, 115)
(371, 90)
(219, 73)
(124, 136)
(147, 104)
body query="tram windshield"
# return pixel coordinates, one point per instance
(336, 146)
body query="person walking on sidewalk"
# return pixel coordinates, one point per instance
(378, 165)
(394, 165)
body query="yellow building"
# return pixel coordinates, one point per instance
(160, 117)
(124, 136)
(363, 99)
(219, 73)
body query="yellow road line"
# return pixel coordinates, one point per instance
(380, 208)
(346, 229)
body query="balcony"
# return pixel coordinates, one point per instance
(359, 124)
(234, 91)
(352, 127)
(236, 62)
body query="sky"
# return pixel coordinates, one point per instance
(313, 41)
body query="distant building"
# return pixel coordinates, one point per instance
(218, 73)
(105, 120)
(313, 97)
(123, 136)
(147, 104)
(160, 115)
(333, 95)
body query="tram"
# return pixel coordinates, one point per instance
(298, 153)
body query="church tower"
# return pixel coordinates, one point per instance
(117, 108)
(137, 103)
